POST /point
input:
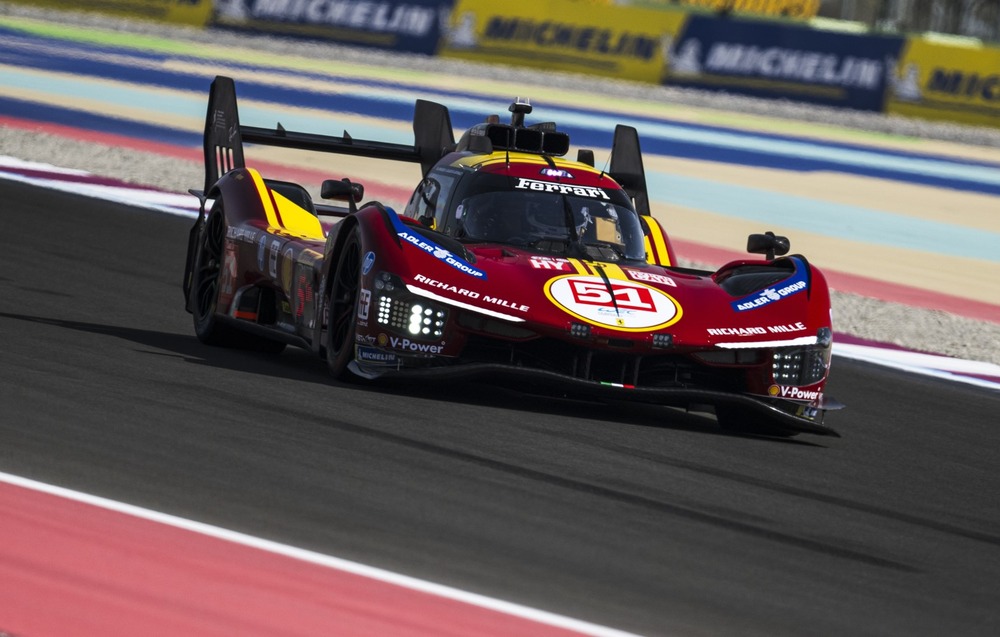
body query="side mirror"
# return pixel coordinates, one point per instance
(768, 244)
(428, 191)
(343, 190)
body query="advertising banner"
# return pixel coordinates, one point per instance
(562, 35)
(947, 81)
(794, 9)
(193, 12)
(768, 59)
(413, 26)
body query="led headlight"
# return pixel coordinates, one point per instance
(800, 366)
(403, 312)
(579, 330)
(663, 340)
(804, 366)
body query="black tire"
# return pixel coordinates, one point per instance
(736, 420)
(342, 308)
(205, 291)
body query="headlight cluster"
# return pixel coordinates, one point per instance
(403, 312)
(800, 366)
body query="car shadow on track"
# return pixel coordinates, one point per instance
(527, 398)
(302, 366)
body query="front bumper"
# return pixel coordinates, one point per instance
(666, 396)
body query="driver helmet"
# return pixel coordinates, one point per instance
(484, 217)
(548, 218)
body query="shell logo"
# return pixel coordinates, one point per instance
(627, 306)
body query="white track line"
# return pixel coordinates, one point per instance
(389, 577)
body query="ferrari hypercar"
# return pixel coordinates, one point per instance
(510, 263)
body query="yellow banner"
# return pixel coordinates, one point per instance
(562, 35)
(798, 9)
(947, 81)
(195, 12)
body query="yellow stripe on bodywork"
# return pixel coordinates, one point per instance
(657, 249)
(265, 198)
(579, 267)
(501, 157)
(296, 219)
(293, 218)
(611, 270)
(590, 268)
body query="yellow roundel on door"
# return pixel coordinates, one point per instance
(627, 306)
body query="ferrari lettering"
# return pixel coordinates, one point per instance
(562, 189)
(447, 287)
(411, 346)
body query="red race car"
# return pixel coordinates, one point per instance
(508, 262)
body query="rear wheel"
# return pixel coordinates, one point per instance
(342, 308)
(207, 272)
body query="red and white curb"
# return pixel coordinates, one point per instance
(72, 563)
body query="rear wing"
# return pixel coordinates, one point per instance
(224, 136)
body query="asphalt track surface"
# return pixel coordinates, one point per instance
(643, 519)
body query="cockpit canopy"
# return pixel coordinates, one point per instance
(544, 216)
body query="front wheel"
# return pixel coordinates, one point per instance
(342, 306)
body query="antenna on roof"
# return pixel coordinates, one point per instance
(520, 107)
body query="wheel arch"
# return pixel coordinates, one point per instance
(334, 246)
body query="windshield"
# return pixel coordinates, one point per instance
(600, 224)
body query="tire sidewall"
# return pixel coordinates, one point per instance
(338, 359)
